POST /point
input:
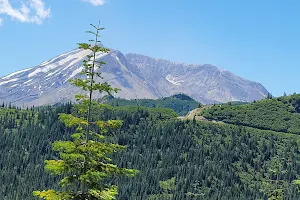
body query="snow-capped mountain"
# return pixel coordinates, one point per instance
(136, 75)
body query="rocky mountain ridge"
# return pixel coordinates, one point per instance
(137, 76)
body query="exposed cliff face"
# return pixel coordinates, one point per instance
(136, 75)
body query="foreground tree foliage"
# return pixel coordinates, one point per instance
(85, 163)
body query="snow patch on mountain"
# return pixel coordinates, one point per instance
(76, 57)
(44, 69)
(48, 66)
(172, 79)
(74, 73)
(6, 82)
(52, 73)
(16, 73)
(28, 81)
(121, 64)
(55, 58)
(15, 85)
(100, 55)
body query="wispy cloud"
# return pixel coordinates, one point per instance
(41, 11)
(30, 11)
(96, 2)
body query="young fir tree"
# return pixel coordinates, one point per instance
(84, 161)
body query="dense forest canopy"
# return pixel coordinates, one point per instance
(180, 103)
(177, 159)
(279, 114)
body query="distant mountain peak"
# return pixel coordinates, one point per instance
(138, 76)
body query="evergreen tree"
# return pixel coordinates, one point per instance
(85, 162)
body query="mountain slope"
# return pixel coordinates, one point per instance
(48, 82)
(138, 76)
(205, 83)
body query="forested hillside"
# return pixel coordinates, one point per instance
(24, 146)
(177, 159)
(180, 103)
(279, 114)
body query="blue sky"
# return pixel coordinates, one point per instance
(257, 40)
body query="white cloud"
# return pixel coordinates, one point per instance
(96, 2)
(41, 12)
(31, 11)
